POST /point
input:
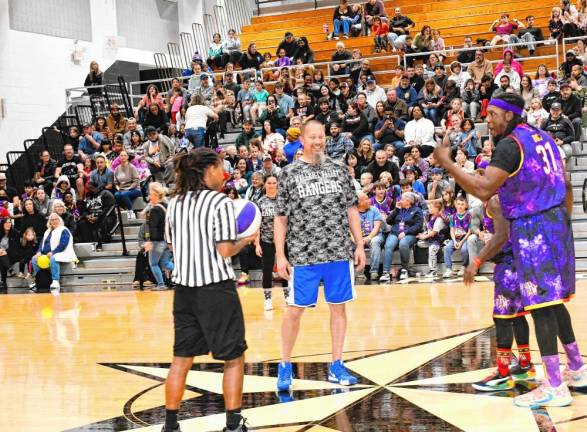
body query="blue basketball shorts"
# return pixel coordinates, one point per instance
(338, 278)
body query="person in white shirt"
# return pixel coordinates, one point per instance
(374, 92)
(512, 75)
(457, 75)
(196, 119)
(420, 131)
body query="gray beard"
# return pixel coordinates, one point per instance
(318, 159)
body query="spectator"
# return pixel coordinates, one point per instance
(480, 67)
(94, 79)
(31, 218)
(71, 167)
(508, 59)
(326, 115)
(567, 66)
(45, 173)
(57, 244)
(437, 185)
(216, 57)
(371, 224)
(155, 245)
(560, 129)
(513, 77)
(471, 100)
(97, 217)
(530, 35)
(460, 230)
(24, 251)
(468, 56)
(355, 125)
(437, 44)
(132, 126)
(380, 29)
(527, 91)
(406, 92)
(396, 104)
(419, 131)
(374, 8)
(42, 202)
(303, 108)
(289, 44)
(341, 20)
(419, 162)
(572, 108)
(151, 97)
(303, 52)
(580, 49)
(90, 142)
(340, 55)
(126, 180)
(271, 140)
(381, 164)
(433, 237)
(102, 176)
(337, 144)
(58, 206)
(423, 42)
(399, 28)
(390, 130)
(429, 100)
(251, 59)
(552, 95)
(247, 134)
(406, 222)
(578, 75)
(292, 143)
(158, 155)
(231, 48)
(504, 29)
(155, 117)
(260, 96)
(9, 239)
(197, 117)
(536, 115)
(364, 156)
(116, 121)
(374, 93)
(555, 24)
(458, 75)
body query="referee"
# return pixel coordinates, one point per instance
(207, 313)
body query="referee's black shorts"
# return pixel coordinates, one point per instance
(208, 319)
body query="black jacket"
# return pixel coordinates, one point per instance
(37, 221)
(390, 167)
(572, 107)
(562, 129)
(156, 223)
(289, 47)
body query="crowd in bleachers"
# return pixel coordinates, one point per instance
(384, 132)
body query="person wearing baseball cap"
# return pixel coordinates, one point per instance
(560, 128)
(572, 108)
(289, 44)
(437, 184)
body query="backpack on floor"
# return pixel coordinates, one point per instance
(43, 280)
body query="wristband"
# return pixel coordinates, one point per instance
(477, 262)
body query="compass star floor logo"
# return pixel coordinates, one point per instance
(425, 387)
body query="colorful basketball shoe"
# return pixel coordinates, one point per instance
(576, 379)
(494, 382)
(519, 373)
(545, 396)
(284, 377)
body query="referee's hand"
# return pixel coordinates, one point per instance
(283, 268)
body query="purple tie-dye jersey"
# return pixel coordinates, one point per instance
(539, 184)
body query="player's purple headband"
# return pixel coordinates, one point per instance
(500, 103)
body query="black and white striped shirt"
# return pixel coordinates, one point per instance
(194, 224)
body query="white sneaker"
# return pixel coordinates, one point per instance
(403, 274)
(55, 287)
(576, 379)
(432, 274)
(268, 305)
(384, 277)
(461, 271)
(545, 396)
(448, 274)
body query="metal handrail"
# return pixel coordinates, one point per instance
(199, 36)
(209, 21)
(219, 11)
(453, 51)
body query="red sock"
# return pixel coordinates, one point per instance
(524, 355)
(504, 356)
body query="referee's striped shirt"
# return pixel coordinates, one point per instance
(194, 224)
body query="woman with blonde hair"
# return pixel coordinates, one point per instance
(94, 78)
(365, 154)
(154, 235)
(57, 245)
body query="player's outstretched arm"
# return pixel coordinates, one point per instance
(279, 231)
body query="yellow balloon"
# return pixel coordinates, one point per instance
(43, 262)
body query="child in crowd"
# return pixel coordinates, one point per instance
(381, 200)
(239, 183)
(433, 237)
(536, 115)
(456, 108)
(469, 137)
(29, 190)
(460, 230)
(391, 156)
(176, 101)
(411, 173)
(437, 185)
(380, 29)
(367, 182)
(486, 152)
(406, 186)
(448, 204)
(552, 96)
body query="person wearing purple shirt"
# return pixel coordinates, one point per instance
(528, 174)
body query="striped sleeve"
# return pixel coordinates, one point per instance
(168, 227)
(224, 222)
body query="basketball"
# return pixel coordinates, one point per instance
(43, 262)
(248, 217)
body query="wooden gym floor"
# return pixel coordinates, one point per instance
(97, 361)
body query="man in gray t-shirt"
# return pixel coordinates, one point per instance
(316, 215)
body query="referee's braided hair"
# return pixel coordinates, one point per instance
(190, 169)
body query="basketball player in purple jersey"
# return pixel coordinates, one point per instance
(527, 173)
(508, 310)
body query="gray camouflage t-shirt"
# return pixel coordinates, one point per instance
(315, 198)
(268, 207)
